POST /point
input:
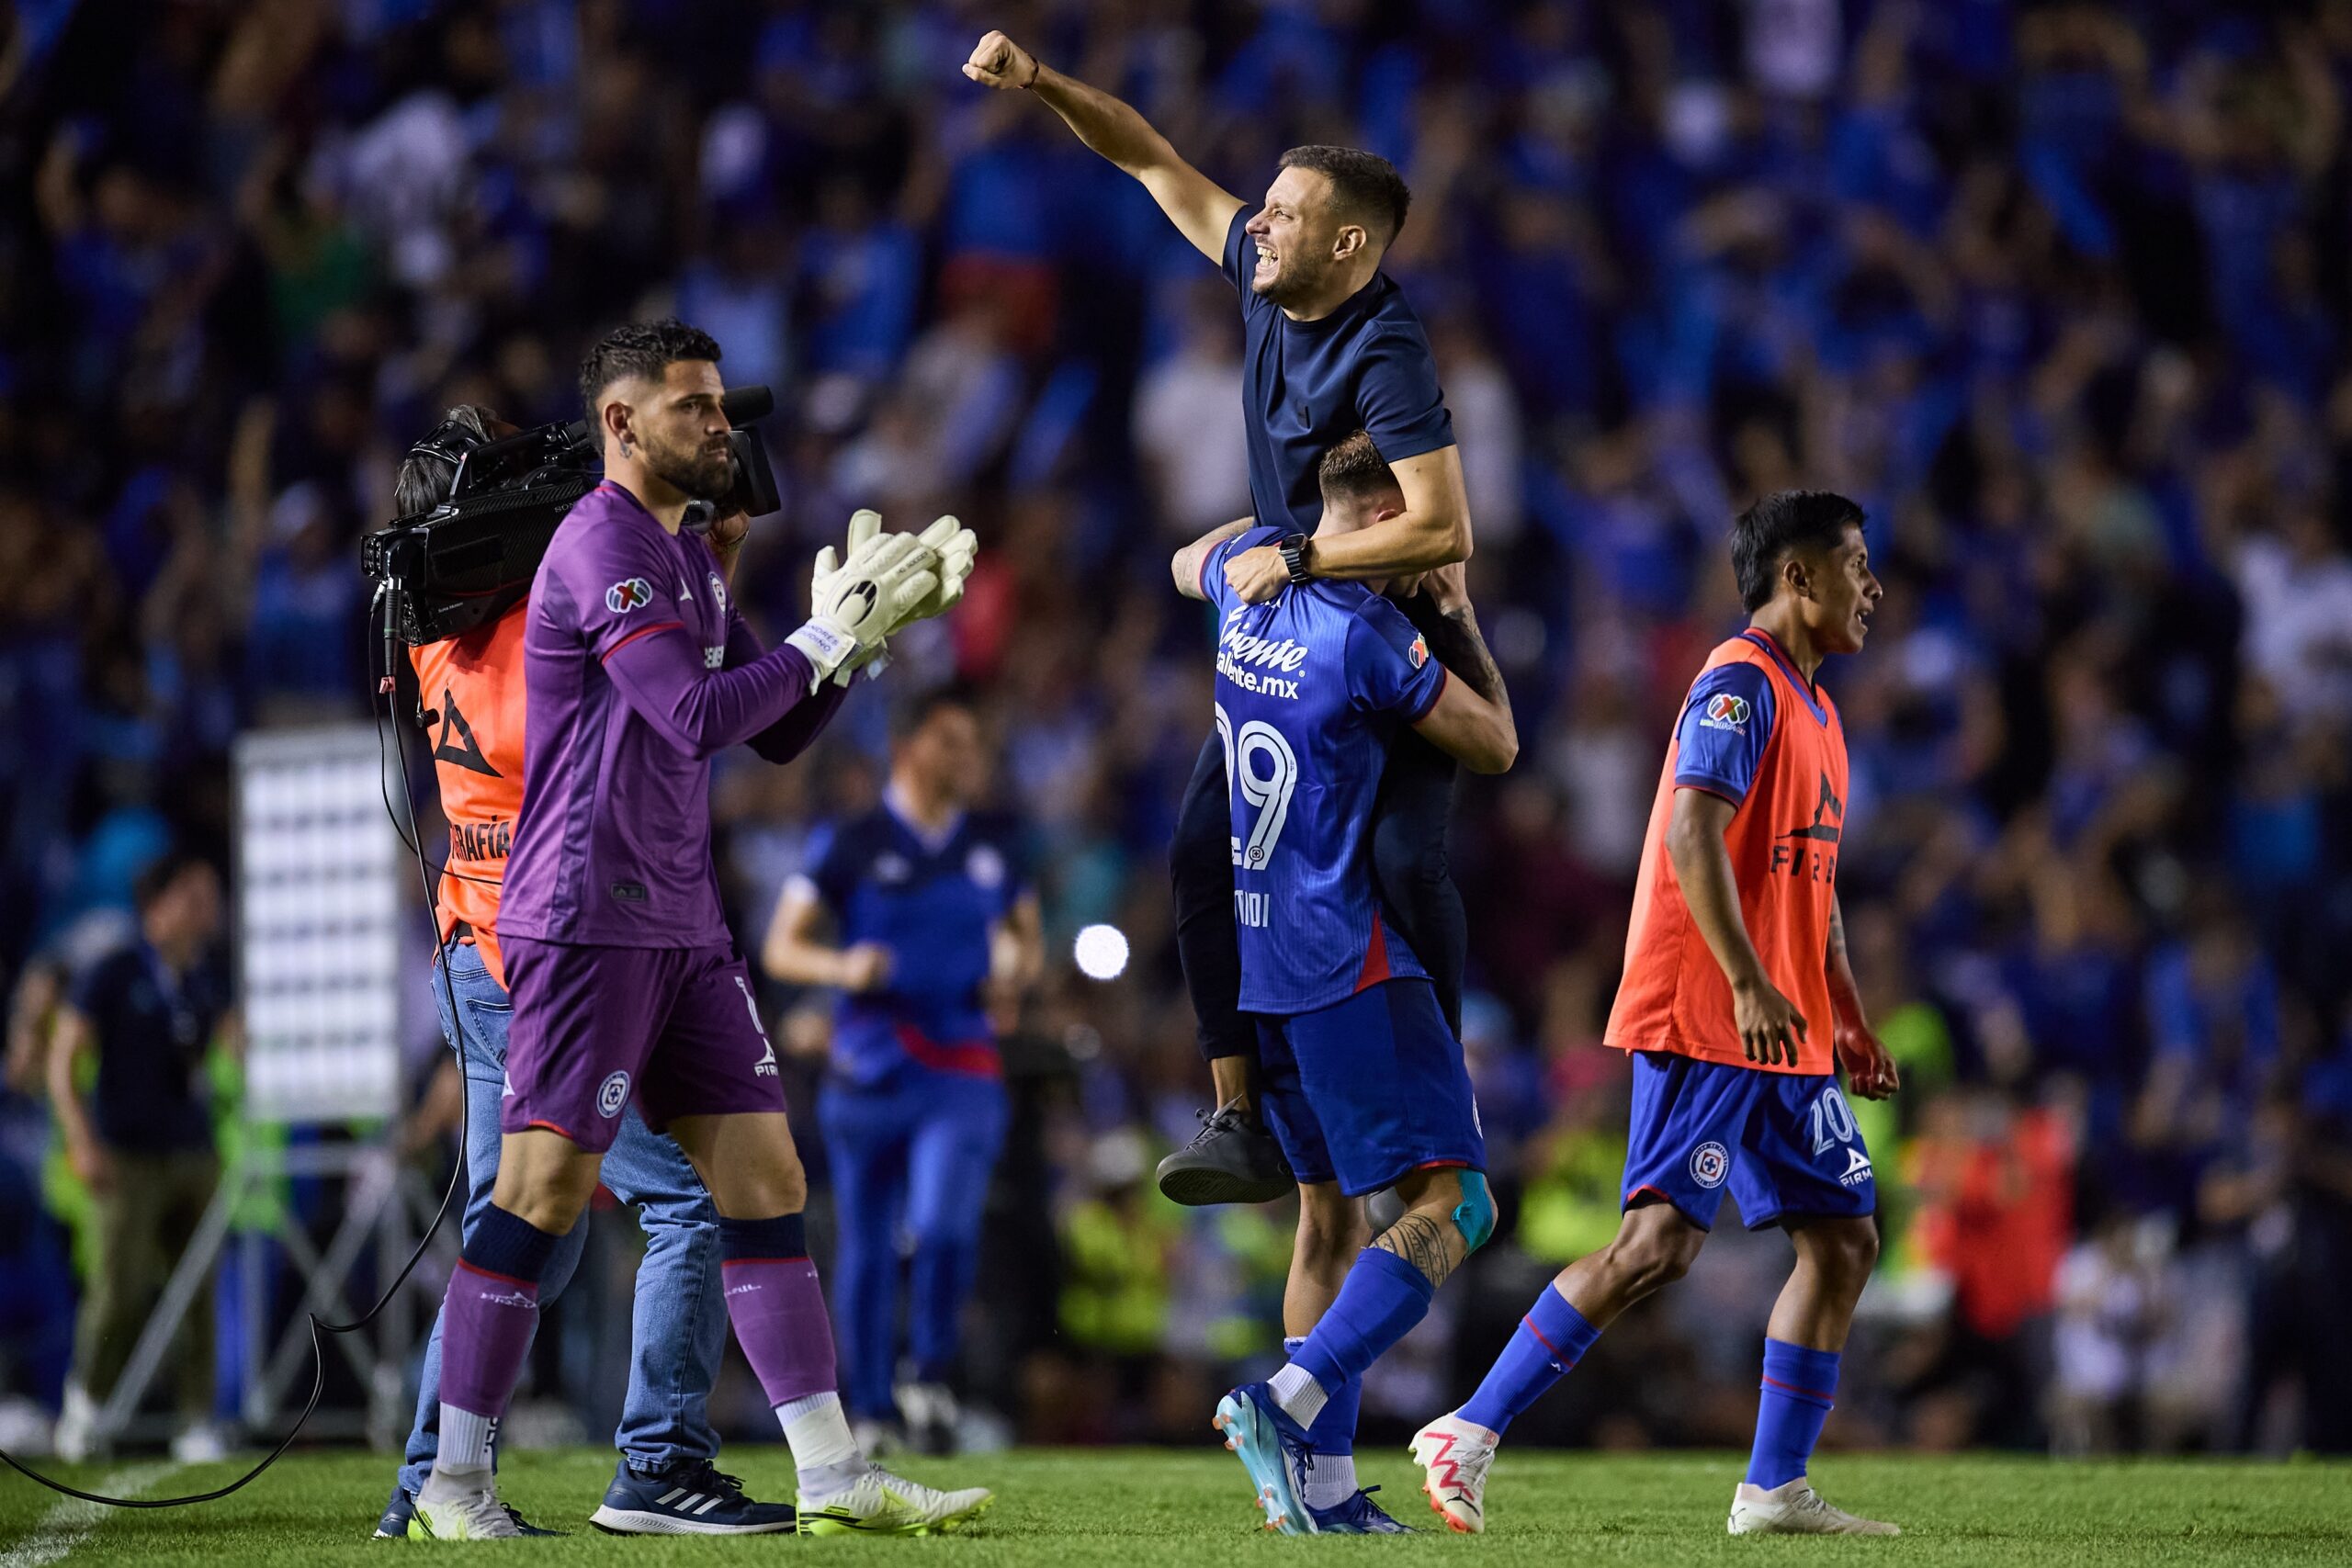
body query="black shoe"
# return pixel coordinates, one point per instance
(1232, 1159)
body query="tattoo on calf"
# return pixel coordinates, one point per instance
(1421, 1242)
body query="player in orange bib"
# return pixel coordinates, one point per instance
(1738, 1008)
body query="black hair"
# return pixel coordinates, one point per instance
(638, 348)
(1780, 523)
(918, 710)
(156, 877)
(1365, 187)
(1353, 468)
(423, 482)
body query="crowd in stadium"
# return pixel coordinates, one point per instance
(2058, 291)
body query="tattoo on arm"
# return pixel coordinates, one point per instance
(1453, 638)
(1423, 1243)
(1186, 567)
(1837, 936)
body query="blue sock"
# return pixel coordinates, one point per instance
(1334, 1431)
(1800, 1385)
(508, 1246)
(1551, 1338)
(1381, 1300)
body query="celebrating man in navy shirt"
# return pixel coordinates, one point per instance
(1332, 348)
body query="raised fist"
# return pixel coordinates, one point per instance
(997, 61)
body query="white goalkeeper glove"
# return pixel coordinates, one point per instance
(957, 547)
(857, 604)
(863, 525)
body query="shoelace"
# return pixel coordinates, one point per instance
(701, 1476)
(1212, 1122)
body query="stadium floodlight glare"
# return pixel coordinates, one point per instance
(1101, 952)
(319, 907)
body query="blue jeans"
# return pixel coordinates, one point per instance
(679, 1331)
(911, 1155)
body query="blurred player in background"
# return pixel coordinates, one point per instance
(625, 985)
(471, 687)
(1363, 1079)
(938, 938)
(1332, 348)
(1736, 956)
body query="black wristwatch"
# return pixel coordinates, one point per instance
(1294, 549)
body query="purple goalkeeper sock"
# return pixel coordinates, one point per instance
(1550, 1339)
(1380, 1300)
(1800, 1386)
(777, 1307)
(492, 1308)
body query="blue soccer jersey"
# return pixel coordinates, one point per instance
(1310, 690)
(933, 903)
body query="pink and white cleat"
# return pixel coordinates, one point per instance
(1453, 1455)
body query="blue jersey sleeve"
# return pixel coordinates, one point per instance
(832, 869)
(1719, 740)
(1388, 663)
(1213, 588)
(1397, 392)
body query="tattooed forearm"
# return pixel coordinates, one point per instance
(1429, 1244)
(1453, 638)
(1837, 936)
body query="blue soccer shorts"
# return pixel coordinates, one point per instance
(1369, 1090)
(1784, 1144)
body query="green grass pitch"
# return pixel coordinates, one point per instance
(1143, 1508)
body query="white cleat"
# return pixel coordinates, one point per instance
(447, 1509)
(1794, 1507)
(879, 1502)
(1455, 1455)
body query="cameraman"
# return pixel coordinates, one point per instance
(144, 1145)
(470, 687)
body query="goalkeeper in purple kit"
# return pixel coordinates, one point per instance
(627, 989)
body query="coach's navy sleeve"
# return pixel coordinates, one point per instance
(1397, 394)
(1719, 741)
(1388, 663)
(1242, 260)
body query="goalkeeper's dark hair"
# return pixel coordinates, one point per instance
(423, 482)
(1776, 526)
(639, 348)
(908, 719)
(1365, 188)
(1353, 468)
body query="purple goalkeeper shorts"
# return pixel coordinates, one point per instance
(674, 1029)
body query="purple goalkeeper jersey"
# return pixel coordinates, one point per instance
(636, 670)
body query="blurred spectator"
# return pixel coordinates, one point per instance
(144, 1145)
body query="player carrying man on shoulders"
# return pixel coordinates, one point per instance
(1736, 956)
(1332, 348)
(1363, 1083)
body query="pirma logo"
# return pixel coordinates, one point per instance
(1710, 1164)
(632, 594)
(612, 1096)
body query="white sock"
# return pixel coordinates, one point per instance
(1296, 1390)
(822, 1450)
(468, 1441)
(1327, 1479)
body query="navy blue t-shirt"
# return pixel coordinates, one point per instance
(151, 1030)
(1309, 384)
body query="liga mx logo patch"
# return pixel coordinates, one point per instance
(1710, 1164)
(631, 595)
(1725, 711)
(1419, 653)
(612, 1095)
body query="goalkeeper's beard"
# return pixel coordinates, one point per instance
(697, 474)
